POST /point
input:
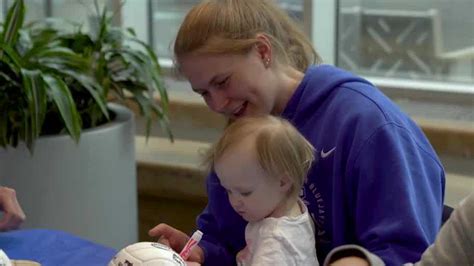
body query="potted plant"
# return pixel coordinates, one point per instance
(67, 151)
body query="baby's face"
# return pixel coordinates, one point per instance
(252, 193)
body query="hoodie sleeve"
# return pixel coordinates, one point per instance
(223, 229)
(396, 202)
(453, 245)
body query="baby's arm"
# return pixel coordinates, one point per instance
(242, 256)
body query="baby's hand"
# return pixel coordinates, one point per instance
(242, 255)
(192, 263)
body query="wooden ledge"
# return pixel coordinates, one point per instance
(449, 137)
(185, 153)
(170, 170)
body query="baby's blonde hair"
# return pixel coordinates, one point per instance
(231, 27)
(280, 148)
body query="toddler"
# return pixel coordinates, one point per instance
(262, 163)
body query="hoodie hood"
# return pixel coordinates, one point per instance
(322, 78)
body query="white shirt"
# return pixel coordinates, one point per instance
(280, 241)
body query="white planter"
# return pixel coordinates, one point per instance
(87, 189)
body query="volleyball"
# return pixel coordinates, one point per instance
(147, 254)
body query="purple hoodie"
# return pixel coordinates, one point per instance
(377, 182)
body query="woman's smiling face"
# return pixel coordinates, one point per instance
(233, 85)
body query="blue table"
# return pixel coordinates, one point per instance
(53, 248)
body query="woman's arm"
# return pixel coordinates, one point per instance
(395, 193)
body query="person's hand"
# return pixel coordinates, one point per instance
(13, 215)
(242, 255)
(350, 261)
(176, 239)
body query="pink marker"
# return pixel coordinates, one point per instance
(192, 242)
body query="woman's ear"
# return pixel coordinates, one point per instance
(286, 183)
(264, 49)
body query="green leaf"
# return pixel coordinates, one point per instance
(62, 58)
(3, 129)
(148, 76)
(56, 24)
(63, 99)
(104, 21)
(93, 88)
(27, 133)
(145, 108)
(12, 55)
(141, 65)
(156, 72)
(148, 50)
(117, 90)
(24, 42)
(9, 79)
(131, 31)
(148, 107)
(36, 96)
(164, 122)
(13, 23)
(160, 87)
(41, 43)
(91, 67)
(57, 52)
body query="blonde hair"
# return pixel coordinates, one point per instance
(279, 147)
(231, 26)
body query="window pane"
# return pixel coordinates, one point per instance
(419, 40)
(82, 12)
(294, 8)
(2, 10)
(168, 15)
(135, 16)
(35, 10)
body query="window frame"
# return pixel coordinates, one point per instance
(320, 23)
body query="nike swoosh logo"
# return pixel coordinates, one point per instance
(326, 154)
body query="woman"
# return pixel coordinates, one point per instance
(378, 183)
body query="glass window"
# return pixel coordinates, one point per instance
(2, 10)
(167, 15)
(294, 8)
(79, 11)
(82, 12)
(35, 9)
(135, 15)
(404, 40)
(413, 40)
